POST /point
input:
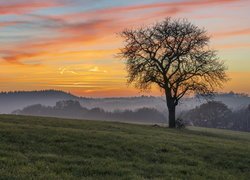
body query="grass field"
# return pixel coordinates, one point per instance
(50, 148)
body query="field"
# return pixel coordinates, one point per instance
(51, 148)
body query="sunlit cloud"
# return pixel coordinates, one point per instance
(96, 69)
(71, 45)
(239, 32)
(82, 29)
(233, 46)
(63, 70)
(25, 6)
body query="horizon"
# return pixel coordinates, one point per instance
(114, 97)
(71, 45)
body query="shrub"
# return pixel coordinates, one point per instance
(180, 123)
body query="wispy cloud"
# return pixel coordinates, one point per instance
(87, 27)
(11, 23)
(25, 6)
(70, 41)
(63, 70)
(233, 46)
(239, 32)
(16, 57)
(96, 69)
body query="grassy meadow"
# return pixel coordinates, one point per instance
(52, 148)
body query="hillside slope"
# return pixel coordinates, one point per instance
(50, 148)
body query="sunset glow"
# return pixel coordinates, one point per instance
(72, 45)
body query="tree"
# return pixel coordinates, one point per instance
(213, 114)
(241, 119)
(173, 54)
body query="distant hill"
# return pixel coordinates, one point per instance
(11, 101)
(73, 109)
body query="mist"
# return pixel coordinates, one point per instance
(141, 109)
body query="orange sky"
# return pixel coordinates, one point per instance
(72, 45)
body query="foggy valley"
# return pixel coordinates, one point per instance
(141, 109)
(11, 101)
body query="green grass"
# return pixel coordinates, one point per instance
(51, 148)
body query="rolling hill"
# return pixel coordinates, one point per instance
(53, 148)
(10, 101)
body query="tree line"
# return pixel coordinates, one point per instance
(73, 109)
(215, 114)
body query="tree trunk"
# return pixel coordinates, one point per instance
(171, 109)
(171, 116)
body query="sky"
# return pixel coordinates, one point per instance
(72, 45)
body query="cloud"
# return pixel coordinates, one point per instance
(88, 27)
(10, 23)
(24, 6)
(68, 34)
(157, 6)
(15, 57)
(233, 46)
(238, 32)
(96, 69)
(63, 70)
(186, 3)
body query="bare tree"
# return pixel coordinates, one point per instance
(174, 54)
